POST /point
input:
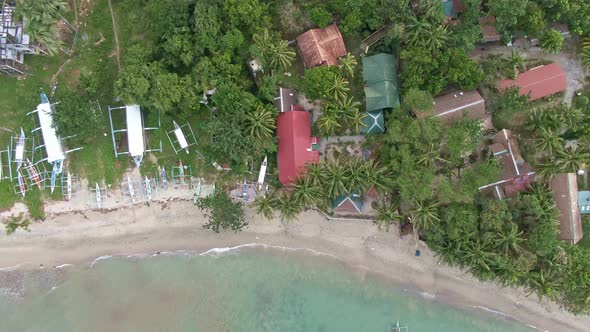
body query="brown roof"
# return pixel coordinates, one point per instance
(452, 106)
(565, 194)
(488, 29)
(515, 174)
(538, 82)
(321, 47)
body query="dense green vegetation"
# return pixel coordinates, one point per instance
(175, 54)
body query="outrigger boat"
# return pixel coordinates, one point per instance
(131, 190)
(19, 152)
(397, 327)
(148, 188)
(69, 186)
(53, 178)
(180, 136)
(262, 173)
(244, 192)
(98, 196)
(212, 189)
(21, 184)
(33, 174)
(181, 173)
(164, 178)
(197, 192)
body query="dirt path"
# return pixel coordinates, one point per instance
(115, 33)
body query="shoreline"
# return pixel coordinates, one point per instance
(78, 238)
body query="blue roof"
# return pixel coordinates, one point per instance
(584, 201)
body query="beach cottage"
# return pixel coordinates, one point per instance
(538, 82)
(452, 107)
(565, 193)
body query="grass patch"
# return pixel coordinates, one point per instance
(585, 241)
(34, 203)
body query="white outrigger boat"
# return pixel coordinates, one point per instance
(98, 196)
(21, 184)
(244, 192)
(19, 151)
(148, 188)
(69, 186)
(131, 190)
(397, 327)
(164, 178)
(262, 173)
(53, 178)
(212, 190)
(180, 137)
(197, 192)
(181, 172)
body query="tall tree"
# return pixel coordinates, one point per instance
(222, 212)
(260, 123)
(424, 214)
(347, 65)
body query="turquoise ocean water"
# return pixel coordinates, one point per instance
(249, 289)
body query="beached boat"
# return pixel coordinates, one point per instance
(212, 189)
(131, 190)
(21, 184)
(262, 173)
(244, 192)
(164, 178)
(69, 186)
(33, 174)
(19, 151)
(197, 192)
(180, 137)
(98, 196)
(181, 172)
(148, 188)
(53, 179)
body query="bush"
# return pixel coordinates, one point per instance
(318, 81)
(223, 213)
(417, 101)
(320, 17)
(552, 41)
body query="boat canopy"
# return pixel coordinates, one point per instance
(52, 142)
(135, 130)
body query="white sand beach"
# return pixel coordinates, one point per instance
(78, 237)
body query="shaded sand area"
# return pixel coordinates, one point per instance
(80, 237)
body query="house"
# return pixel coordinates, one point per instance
(515, 173)
(14, 42)
(296, 146)
(381, 90)
(565, 193)
(286, 100)
(453, 106)
(489, 32)
(538, 82)
(348, 204)
(321, 47)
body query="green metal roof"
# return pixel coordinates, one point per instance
(380, 76)
(373, 123)
(355, 198)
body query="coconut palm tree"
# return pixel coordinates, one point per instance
(15, 222)
(329, 122)
(424, 214)
(376, 176)
(449, 252)
(572, 159)
(586, 53)
(479, 259)
(273, 52)
(347, 65)
(506, 271)
(431, 156)
(41, 10)
(265, 205)
(45, 35)
(571, 116)
(544, 284)
(315, 173)
(387, 213)
(509, 240)
(357, 120)
(355, 173)
(422, 33)
(517, 62)
(546, 169)
(339, 88)
(260, 123)
(548, 141)
(336, 180)
(288, 207)
(306, 193)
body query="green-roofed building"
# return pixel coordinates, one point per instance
(352, 203)
(449, 8)
(381, 89)
(373, 123)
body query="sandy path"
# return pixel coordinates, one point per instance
(116, 35)
(81, 237)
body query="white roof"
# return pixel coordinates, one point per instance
(53, 147)
(180, 137)
(134, 130)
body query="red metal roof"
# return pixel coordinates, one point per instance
(540, 81)
(294, 145)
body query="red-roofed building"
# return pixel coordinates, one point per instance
(296, 147)
(538, 82)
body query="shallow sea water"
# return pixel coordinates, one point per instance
(247, 289)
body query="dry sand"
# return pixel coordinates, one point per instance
(80, 237)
